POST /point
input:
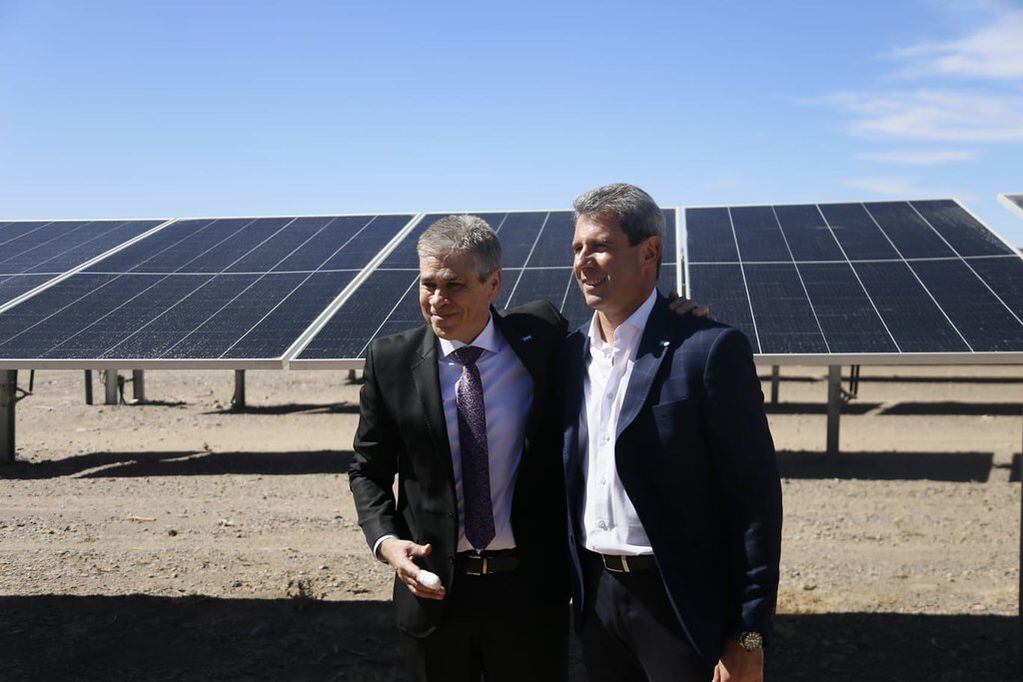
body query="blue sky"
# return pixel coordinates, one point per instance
(152, 109)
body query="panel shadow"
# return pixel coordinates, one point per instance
(142, 637)
(855, 407)
(182, 463)
(887, 466)
(952, 408)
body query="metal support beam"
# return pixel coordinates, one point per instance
(138, 385)
(8, 399)
(1019, 619)
(775, 380)
(238, 401)
(110, 381)
(834, 406)
(88, 387)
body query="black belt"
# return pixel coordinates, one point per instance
(498, 561)
(628, 564)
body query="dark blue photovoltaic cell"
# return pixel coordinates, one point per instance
(913, 318)
(961, 230)
(858, 234)
(911, 235)
(666, 281)
(518, 234)
(785, 321)
(198, 296)
(148, 296)
(348, 331)
(845, 314)
(48, 249)
(976, 313)
(554, 246)
(12, 286)
(807, 233)
(758, 234)
(721, 287)
(710, 238)
(539, 285)
(1005, 277)
(180, 242)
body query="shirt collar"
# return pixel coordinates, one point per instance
(632, 327)
(487, 340)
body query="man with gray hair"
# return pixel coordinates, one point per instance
(674, 500)
(460, 411)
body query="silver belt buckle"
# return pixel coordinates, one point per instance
(485, 567)
(625, 565)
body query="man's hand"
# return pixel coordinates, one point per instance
(739, 665)
(400, 554)
(683, 306)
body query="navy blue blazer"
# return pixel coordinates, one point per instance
(696, 458)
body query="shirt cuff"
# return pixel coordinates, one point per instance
(376, 546)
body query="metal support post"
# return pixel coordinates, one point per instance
(351, 376)
(138, 385)
(775, 380)
(110, 380)
(8, 399)
(238, 401)
(834, 406)
(88, 387)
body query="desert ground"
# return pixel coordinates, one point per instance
(180, 539)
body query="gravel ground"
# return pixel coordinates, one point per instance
(181, 540)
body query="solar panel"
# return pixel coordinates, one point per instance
(1014, 202)
(885, 281)
(537, 264)
(233, 292)
(34, 252)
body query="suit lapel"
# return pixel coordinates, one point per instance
(426, 375)
(578, 349)
(652, 349)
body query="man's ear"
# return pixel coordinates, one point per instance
(652, 250)
(493, 285)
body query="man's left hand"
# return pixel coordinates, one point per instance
(739, 665)
(683, 306)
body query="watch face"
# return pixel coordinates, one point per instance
(751, 641)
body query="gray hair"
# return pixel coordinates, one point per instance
(636, 211)
(459, 234)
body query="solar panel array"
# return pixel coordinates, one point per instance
(219, 289)
(870, 279)
(537, 264)
(34, 252)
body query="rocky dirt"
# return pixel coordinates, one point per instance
(179, 539)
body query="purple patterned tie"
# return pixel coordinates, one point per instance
(472, 440)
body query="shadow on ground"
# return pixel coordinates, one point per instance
(290, 408)
(887, 466)
(183, 463)
(141, 637)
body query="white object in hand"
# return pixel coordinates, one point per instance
(429, 580)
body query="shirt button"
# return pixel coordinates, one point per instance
(603, 481)
(603, 525)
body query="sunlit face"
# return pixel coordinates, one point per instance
(452, 298)
(615, 277)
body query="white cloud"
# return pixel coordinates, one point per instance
(934, 115)
(918, 157)
(993, 52)
(898, 186)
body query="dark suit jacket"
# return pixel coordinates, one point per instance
(402, 431)
(695, 456)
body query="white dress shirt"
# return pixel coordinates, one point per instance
(610, 523)
(507, 399)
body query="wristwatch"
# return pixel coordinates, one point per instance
(751, 640)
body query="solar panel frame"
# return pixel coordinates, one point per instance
(277, 362)
(970, 357)
(57, 277)
(298, 363)
(1013, 202)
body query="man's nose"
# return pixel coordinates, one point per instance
(438, 299)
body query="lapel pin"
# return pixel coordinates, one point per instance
(665, 343)
(527, 337)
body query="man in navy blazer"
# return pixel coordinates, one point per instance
(673, 493)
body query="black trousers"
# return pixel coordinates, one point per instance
(630, 631)
(495, 628)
